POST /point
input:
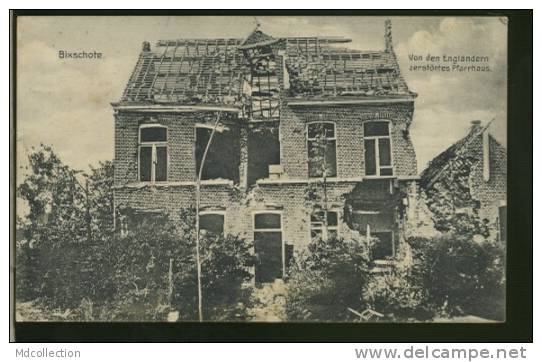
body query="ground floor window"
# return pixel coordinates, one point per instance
(318, 229)
(378, 225)
(130, 220)
(212, 223)
(383, 247)
(270, 256)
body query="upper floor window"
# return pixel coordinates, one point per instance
(223, 156)
(376, 137)
(153, 153)
(322, 149)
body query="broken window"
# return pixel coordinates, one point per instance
(322, 149)
(384, 245)
(263, 151)
(376, 224)
(153, 153)
(130, 220)
(223, 156)
(318, 230)
(377, 149)
(263, 84)
(212, 223)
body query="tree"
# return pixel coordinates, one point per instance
(63, 242)
(69, 257)
(319, 150)
(52, 232)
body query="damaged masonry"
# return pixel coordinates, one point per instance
(313, 139)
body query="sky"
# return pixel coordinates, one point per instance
(66, 103)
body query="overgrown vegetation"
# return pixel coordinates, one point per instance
(71, 260)
(73, 265)
(449, 276)
(326, 279)
(461, 276)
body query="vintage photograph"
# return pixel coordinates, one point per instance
(261, 169)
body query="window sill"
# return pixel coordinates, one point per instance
(383, 266)
(139, 185)
(285, 180)
(400, 178)
(306, 180)
(373, 177)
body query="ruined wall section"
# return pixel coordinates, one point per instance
(418, 220)
(490, 193)
(460, 199)
(293, 200)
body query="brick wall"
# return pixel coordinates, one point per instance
(287, 197)
(181, 142)
(349, 133)
(493, 192)
(290, 199)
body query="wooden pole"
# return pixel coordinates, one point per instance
(198, 200)
(170, 282)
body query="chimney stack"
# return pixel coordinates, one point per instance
(387, 36)
(475, 125)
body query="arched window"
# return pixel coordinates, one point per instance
(378, 153)
(153, 153)
(322, 149)
(212, 222)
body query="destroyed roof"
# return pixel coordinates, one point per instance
(438, 164)
(212, 71)
(257, 38)
(320, 69)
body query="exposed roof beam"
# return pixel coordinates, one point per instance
(315, 102)
(172, 108)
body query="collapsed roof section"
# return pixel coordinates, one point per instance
(221, 71)
(441, 162)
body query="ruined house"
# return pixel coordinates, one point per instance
(310, 137)
(465, 186)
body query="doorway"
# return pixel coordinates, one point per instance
(268, 247)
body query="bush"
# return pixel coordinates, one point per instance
(327, 278)
(461, 276)
(398, 296)
(142, 275)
